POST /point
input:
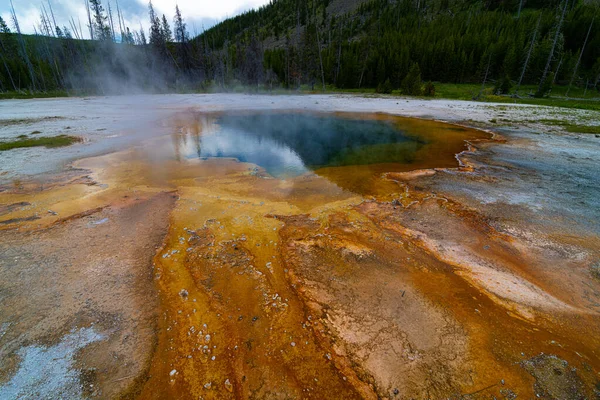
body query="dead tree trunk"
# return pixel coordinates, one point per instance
(23, 48)
(91, 26)
(121, 28)
(52, 14)
(339, 57)
(579, 59)
(487, 71)
(319, 47)
(528, 55)
(551, 55)
(112, 26)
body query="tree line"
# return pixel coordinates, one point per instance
(113, 58)
(383, 44)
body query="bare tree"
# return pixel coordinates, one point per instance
(531, 46)
(74, 28)
(22, 43)
(319, 46)
(112, 25)
(551, 55)
(52, 14)
(120, 22)
(580, 54)
(487, 71)
(90, 25)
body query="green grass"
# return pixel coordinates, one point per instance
(33, 95)
(453, 91)
(467, 91)
(26, 121)
(48, 142)
(583, 129)
(570, 127)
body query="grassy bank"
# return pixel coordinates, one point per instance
(577, 99)
(589, 100)
(32, 95)
(467, 91)
(48, 142)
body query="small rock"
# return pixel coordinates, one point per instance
(183, 293)
(173, 372)
(207, 385)
(293, 344)
(396, 391)
(228, 385)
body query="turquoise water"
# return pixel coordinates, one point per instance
(290, 144)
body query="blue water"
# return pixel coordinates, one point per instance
(291, 144)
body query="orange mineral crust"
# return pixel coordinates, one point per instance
(207, 275)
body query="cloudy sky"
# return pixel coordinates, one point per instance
(197, 13)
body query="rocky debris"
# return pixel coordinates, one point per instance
(228, 385)
(595, 270)
(6, 209)
(554, 379)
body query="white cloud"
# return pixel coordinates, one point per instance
(197, 13)
(201, 9)
(28, 18)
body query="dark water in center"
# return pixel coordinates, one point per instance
(291, 144)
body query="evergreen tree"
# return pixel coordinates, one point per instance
(385, 87)
(100, 24)
(167, 35)
(67, 33)
(429, 90)
(503, 85)
(546, 86)
(3, 27)
(411, 84)
(156, 37)
(181, 34)
(129, 36)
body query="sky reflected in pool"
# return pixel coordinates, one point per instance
(344, 148)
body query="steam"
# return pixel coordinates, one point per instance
(121, 69)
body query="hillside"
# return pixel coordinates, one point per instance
(358, 43)
(343, 44)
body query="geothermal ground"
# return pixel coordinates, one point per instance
(131, 267)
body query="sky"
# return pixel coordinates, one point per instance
(196, 13)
